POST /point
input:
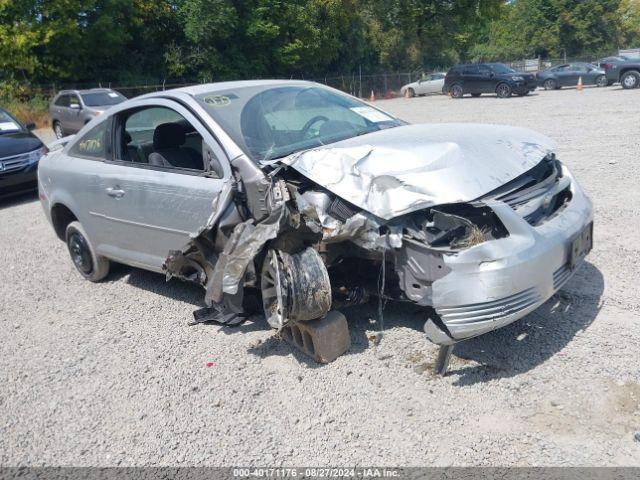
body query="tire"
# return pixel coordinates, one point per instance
(91, 266)
(550, 84)
(57, 129)
(503, 90)
(456, 91)
(412, 92)
(475, 95)
(630, 79)
(601, 81)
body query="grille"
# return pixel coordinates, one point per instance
(486, 311)
(15, 163)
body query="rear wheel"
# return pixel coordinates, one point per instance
(91, 266)
(601, 81)
(456, 91)
(57, 129)
(630, 79)
(550, 84)
(503, 90)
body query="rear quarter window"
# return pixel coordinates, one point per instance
(93, 144)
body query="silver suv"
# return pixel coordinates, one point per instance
(70, 110)
(301, 198)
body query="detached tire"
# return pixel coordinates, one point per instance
(91, 266)
(630, 79)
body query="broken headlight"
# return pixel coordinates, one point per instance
(457, 226)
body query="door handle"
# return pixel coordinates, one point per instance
(114, 192)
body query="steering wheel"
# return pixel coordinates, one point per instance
(311, 122)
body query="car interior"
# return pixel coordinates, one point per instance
(160, 137)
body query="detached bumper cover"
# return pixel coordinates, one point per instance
(498, 282)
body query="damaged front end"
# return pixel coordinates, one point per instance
(318, 229)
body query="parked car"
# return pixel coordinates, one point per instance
(568, 75)
(300, 197)
(432, 83)
(497, 78)
(70, 110)
(627, 72)
(20, 152)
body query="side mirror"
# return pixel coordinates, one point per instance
(75, 106)
(30, 126)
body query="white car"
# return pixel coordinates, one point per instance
(432, 83)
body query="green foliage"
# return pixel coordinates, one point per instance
(129, 41)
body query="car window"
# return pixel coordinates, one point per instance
(578, 67)
(74, 101)
(270, 122)
(470, 70)
(160, 137)
(437, 76)
(62, 101)
(97, 99)
(484, 70)
(93, 144)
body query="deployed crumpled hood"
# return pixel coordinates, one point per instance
(399, 170)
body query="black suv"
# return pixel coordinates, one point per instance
(626, 71)
(480, 78)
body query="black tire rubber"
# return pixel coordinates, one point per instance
(601, 81)
(630, 80)
(456, 91)
(550, 84)
(504, 90)
(476, 95)
(89, 264)
(55, 126)
(412, 92)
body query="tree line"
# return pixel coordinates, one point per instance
(125, 41)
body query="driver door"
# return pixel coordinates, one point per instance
(150, 208)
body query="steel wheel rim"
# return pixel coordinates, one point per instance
(80, 253)
(549, 84)
(503, 91)
(630, 80)
(456, 91)
(273, 299)
(58, 131)
(601, 81)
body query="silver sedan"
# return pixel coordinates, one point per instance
(432, 83)
(299, 198)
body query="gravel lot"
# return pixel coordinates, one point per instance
(110, 374)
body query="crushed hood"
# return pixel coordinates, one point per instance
(399, 170)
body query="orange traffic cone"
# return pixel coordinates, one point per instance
(449, 95)
(373, 97)
(579, 87)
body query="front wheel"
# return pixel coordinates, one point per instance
(91, 266)
(630, 79)
(456, 91)
(57, 129)
(550, 84)
(503, 90)
(601, 81)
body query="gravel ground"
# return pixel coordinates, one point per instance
(110, 374)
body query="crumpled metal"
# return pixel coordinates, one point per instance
(400, 170)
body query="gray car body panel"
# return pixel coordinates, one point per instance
(388, 174)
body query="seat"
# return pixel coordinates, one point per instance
(168, 150)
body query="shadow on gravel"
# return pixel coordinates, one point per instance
(20, 199)
(156, 283)
(527, 343)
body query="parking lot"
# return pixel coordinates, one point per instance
(111, 373)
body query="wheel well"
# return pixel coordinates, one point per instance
(630, 69)
(61, 217)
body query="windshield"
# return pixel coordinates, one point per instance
(273, 122)
(500, 68)
(8, 123)
(99, 99)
